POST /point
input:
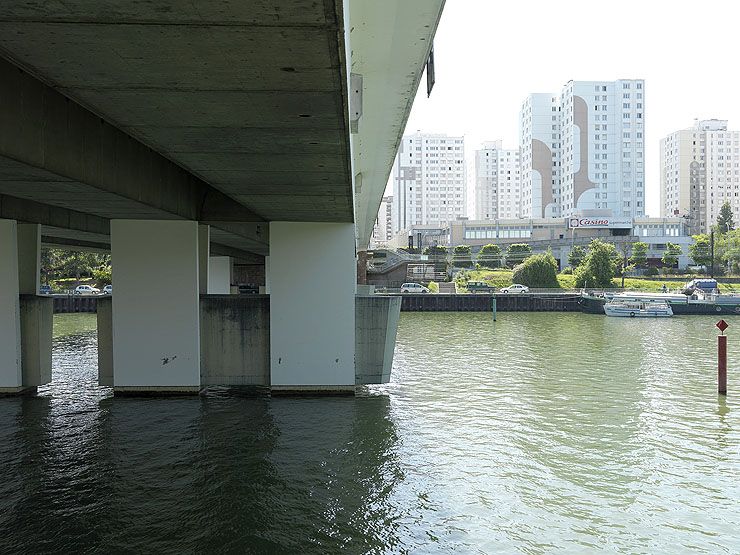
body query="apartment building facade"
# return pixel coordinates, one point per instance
(699, 172)
(582, 151)
(429, 180)
(497, 182)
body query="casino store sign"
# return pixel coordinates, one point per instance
(599, 223)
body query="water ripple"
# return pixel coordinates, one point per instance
(538, 433)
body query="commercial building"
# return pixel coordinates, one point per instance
(699, 172)
(428, 177)
(582, 152)
(561, 234)
(497, 182)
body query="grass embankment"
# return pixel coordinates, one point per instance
(502, 278)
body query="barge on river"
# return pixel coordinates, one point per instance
(699, 302)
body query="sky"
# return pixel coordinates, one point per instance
(489, 55)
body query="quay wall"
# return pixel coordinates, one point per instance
(518, 302)
(75, 303)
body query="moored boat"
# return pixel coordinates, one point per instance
(638, 309)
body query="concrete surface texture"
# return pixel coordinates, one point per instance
(219, 275)
(10, 327)
(376, 322)
(312, 305)
(156, 335)
(235, 340)
(36, 316)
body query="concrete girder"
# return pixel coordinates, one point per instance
(250, 98)
(55, 151)
(390, 44)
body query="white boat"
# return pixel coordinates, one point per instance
(638, 309)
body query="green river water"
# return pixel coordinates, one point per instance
(539, 433)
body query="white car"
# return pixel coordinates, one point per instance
(107, 290)
(413, 288)
(86, 290)
(515, 288)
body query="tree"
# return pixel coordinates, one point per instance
(598, 268)
(539, 270)
(671, 254)
(57, 263)
(700, 250)
(639, 254)
(729, 251)
(576, 256)
(725, 222)
(517, 253)
(461, 256)
(489, 256)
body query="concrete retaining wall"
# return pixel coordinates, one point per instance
(235, 340)
(75, 303)
(376, 324)
(36, 330)
(520, 302)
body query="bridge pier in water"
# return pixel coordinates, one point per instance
(25, 317)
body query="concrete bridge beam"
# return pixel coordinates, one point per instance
(156, 314)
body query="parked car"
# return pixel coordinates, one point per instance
(482, 286)
(515, 288)
(413, 288)
(86, 290)
(45, 289)
(107, 290)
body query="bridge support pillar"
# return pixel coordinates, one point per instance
(219, 275)
(156, 311)
(29, 258)
(25, 317)
(11, 374)
(204, 251)
(312, 307)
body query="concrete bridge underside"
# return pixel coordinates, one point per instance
(219, 123)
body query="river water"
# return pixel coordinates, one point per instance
(539, 433)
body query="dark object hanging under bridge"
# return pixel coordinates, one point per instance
(430, 72)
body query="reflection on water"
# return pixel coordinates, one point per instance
(533, 434)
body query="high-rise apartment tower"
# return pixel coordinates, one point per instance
(582, 152)
(428, 180)
(497, 182)
(699, 172)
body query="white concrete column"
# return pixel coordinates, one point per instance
(29, 258)
(312, 306)
(219, 275)
(11, 374)
(267, 276)
(204, 250)
(156, 306)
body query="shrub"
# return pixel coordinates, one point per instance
(652, 271)
(539, 270)
(433, 287)
(567, 271)
(461, 256)
(517, 253)
(489, 256)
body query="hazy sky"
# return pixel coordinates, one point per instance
(490, 55)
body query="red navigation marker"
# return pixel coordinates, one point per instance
(722, 325)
